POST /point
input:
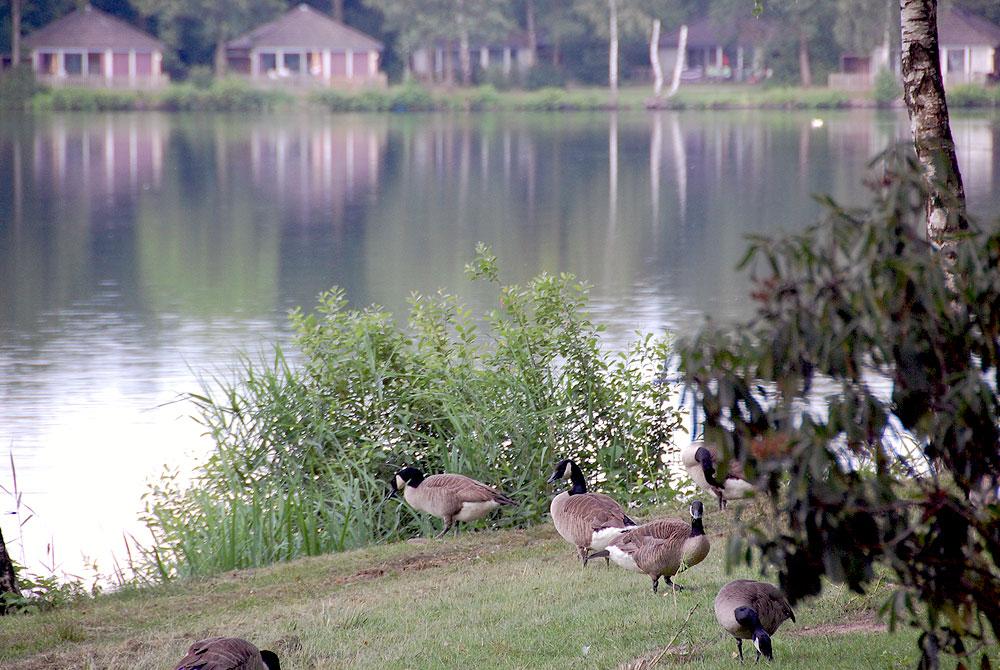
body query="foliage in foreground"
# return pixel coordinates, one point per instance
(857, 303)
(303, 452)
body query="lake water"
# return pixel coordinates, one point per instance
(138, 251)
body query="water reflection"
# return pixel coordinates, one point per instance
(138, 248)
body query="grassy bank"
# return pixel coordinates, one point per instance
(236, 95)
(507, 599)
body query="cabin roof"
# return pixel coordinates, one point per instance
(957, 26)
(90, 28)
(304, 27)
(712, 32)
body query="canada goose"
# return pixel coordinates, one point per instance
(586, 520)
(451, 498)
(699, 459)
(752, 610)
(228, 653)
(661, 548)
(987, 492)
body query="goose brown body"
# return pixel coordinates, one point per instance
(226, 653)
(585, 520)
(732, 486)
(767, 604)
(449, 497)
(663, 547)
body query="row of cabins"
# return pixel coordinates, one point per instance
(305, 46)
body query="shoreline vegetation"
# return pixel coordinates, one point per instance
(235, 95)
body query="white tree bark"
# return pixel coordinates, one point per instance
(682, 45)
(923, 92)
(15, 30)
(654, 59)
(464, 58)
(613, 47)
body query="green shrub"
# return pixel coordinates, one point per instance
(227, 95)
(411, 98)
(544, 75)
(303, 453)
(887, 88)
(971, 95)
(483, 98)
(201, 76)
(17, 86)
(89, 100)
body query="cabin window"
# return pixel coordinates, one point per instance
(956, 60)
(268, 61)
(293, 63)
(95, 64)
(73, 64)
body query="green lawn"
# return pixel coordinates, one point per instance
(511, 599)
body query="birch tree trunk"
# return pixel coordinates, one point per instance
(15, 33)
(529, 20)
(8, 580)
(923, 92)
(682, 47)
(805, 70)
(654, 59)
(464, 58)
(613, 47)
(220, 56)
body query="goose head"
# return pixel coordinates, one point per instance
(270, 659)
(704, 458)
(697, 509)
(406, 477)
(748, 619)
(568, 469)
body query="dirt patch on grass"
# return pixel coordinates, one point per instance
(866, 623)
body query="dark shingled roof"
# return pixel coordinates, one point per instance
(957, 27)
(710, 32)
(305, 28)
(90, 28)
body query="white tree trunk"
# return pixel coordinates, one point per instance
(15, 32)
(613, 47)
(923, 92)
(682, 44)
(654, 59)
(464, 59)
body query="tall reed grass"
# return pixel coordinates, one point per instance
(303, 452)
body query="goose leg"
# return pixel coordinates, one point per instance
(739, 647)
(447, 526)
(582, 552)
(656, 583)
(674, 586)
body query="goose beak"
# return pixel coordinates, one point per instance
(552, 479)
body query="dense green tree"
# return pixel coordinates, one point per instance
(181, 21)
(422, 23)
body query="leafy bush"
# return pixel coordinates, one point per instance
(870, 477)
(89, 100)
(40, 593)
(201, 76)
(411, 98)
(483, 98)
(303, 453)
(972, 95)
(17, 86)
(544, 75)
(887, 88)
(227, 95)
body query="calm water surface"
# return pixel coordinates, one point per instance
(138, 251)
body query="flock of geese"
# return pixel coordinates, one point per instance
(598, 527)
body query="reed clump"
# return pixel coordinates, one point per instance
(303, 452)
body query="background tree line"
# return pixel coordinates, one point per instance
(576, 33)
